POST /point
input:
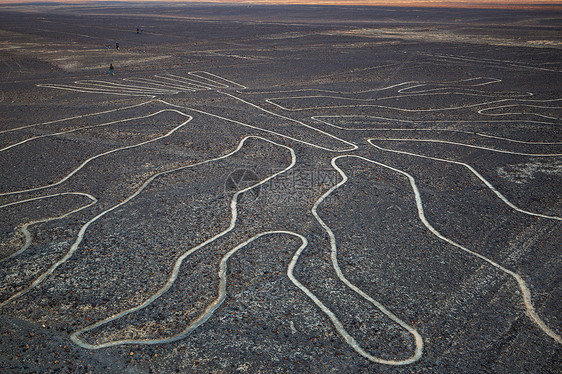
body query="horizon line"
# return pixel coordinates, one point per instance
(485, 4)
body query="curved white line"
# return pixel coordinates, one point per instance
(72, 88)
(354, 146)
(104, 154)
(386, 106)
(126, 87)
(114, 88)
(25, 231)
(175, 271)
(193, 82)
(339, 326)
(481, 111)
(122, 89)
(82, 128)
(526, 294)
(76, 117)
(318, 119)
(514, 140)
(172, 278)
(489, 61)
(198, 75)
(155, 82)
(370, 99)
(408, 92)
(473, 171)
(516, 100)
(328, 91)
(211, 308)
(415, 84)
(341, 276)
(472, 146)
(203, 317)
(451, 86)
(425, 121)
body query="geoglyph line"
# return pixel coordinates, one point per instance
(490, 61)
(84, 163)
(253, 92)
(172, 84)
(408, 84)
(123, 86)
(76, 117)
(177, 265)
(96, 86)
(480, 111)
(155, 82)
(485, 110)
(173, 276)
(195, 83)
(209, 311)
(80, 128)
(351, 99)
(341, 276)
(318, 118)
(472, 146)
(200, 74)
(24, 228)
(211, 308)
(78, 89)
(350, 145)
(526, 294)
(513, 101)
(205, 80)
(473, 171)
(353, 146)
(343, 332)
(377, 105)
(446, 85)
(438, 129)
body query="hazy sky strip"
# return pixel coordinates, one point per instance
(465, 3)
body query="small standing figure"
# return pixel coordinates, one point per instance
(138, 31)
(142, 29)
(117, 45)
(111, 70)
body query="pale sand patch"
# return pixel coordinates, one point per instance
(524, 173)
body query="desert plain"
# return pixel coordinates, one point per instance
(280, 189)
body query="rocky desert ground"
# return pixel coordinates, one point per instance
(280, 189)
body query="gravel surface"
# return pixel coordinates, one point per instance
(279, 189)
